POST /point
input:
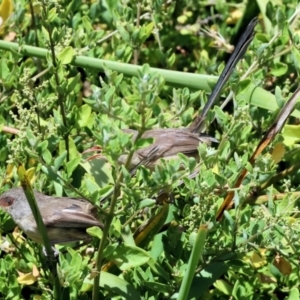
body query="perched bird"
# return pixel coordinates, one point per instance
(66, 219)
(168, 142)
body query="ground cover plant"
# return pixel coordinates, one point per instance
(74, 73)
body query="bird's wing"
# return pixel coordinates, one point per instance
(72, 216)
(169, 142)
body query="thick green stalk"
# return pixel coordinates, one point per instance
(253, 94)
(193, 263)
(41, 226)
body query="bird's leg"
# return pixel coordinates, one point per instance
(55, 252)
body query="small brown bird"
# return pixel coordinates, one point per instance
(66, 219)
(168, 142)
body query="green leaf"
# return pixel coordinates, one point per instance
(52, 14)
(114, 284)
(100, 170)
(158, 287)
(293, 294)
(278, 97)
(141, 143)
(4, 70)
(90, 185)
(238, 291)
(123, 32)
(147, 203)
(58, 162)
(148, 28)
(47, 156)
(66, 55)
(73, 164)
(72, 148)
(286, 205)
(296, 58)
(87, 24)
(72, 82)
(84, 116)
(46, 37)
(223, 286)
(32, 139)
(230, 219)
(171, 59)
(291, 134)
(262, 37)
(128, 256)
(95, 231)
(243, 85)
(43, 146)
(280, 18)
(120, 50)
(274, 271)
(279, 69)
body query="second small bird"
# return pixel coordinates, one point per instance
(66, 219)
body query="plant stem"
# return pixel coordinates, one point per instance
(108, 221)
(253, 94)
(57, 81)
(193, 262)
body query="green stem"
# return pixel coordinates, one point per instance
(108, 221)
(42, 228)
(60, 96)
(193, 262)
(253, 94)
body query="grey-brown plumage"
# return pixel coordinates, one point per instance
(168, 142)
(66, 219)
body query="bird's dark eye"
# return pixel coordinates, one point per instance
(6, 201)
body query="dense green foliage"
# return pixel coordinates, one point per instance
(60, 104)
